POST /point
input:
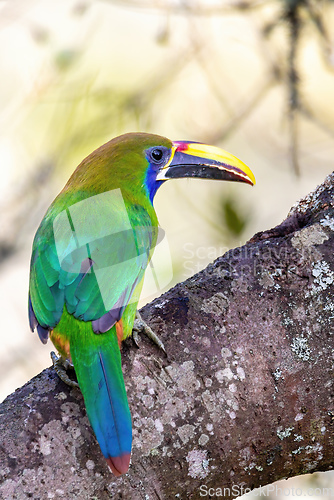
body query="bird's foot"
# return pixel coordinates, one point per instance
(139, 326)
(61, 366)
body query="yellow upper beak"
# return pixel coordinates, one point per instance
(191, 159)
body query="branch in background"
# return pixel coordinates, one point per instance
(197, 9)
(292, 16)
(241, 114)
(244, 398)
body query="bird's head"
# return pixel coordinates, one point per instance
(140, 163)
(181, 159)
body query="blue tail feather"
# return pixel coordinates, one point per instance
(98, 368)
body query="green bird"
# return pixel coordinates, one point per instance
(88, 262)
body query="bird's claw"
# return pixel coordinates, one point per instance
(61, 366)
(140, 326)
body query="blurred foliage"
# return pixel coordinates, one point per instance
(234, 220)
(297, 16)
(75, 112)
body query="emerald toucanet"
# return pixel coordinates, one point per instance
(88, 262)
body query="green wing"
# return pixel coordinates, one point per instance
(90, 257)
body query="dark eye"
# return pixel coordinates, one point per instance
(157, 155)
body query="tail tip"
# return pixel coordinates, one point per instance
(119, 465)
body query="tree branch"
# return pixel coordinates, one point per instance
(244, 398)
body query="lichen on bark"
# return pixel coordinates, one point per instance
(244, 396)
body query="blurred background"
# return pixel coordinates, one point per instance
(254, 77)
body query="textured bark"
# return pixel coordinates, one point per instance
(244, 398)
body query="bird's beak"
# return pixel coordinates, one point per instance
(191, 159)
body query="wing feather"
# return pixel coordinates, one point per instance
(93, 277)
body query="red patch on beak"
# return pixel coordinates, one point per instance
(181, 146)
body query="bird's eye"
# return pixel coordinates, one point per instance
(157, 155)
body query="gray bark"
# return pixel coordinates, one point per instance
(245, 396)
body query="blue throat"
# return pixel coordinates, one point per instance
(152, 185)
